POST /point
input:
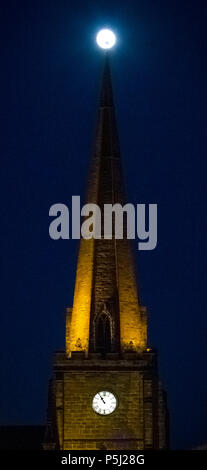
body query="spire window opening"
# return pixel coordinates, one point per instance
(103, 333)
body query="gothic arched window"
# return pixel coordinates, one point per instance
(103, 333)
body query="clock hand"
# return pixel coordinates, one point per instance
(102, 399)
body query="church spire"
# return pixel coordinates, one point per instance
(106, 98)
(106, 316)
(105, 392)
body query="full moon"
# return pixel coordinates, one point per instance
(106, 38)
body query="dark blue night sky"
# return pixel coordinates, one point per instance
(50, 78)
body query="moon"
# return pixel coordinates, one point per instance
(106, 39)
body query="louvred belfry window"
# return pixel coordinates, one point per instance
(103, 333)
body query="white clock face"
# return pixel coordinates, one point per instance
(104, 403)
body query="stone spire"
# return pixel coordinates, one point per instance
(106, 316)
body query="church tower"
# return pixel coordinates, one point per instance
(105, 391)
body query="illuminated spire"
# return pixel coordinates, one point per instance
(106, 315)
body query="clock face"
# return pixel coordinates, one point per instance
(104, 403)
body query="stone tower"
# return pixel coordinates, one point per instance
(105, 391)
